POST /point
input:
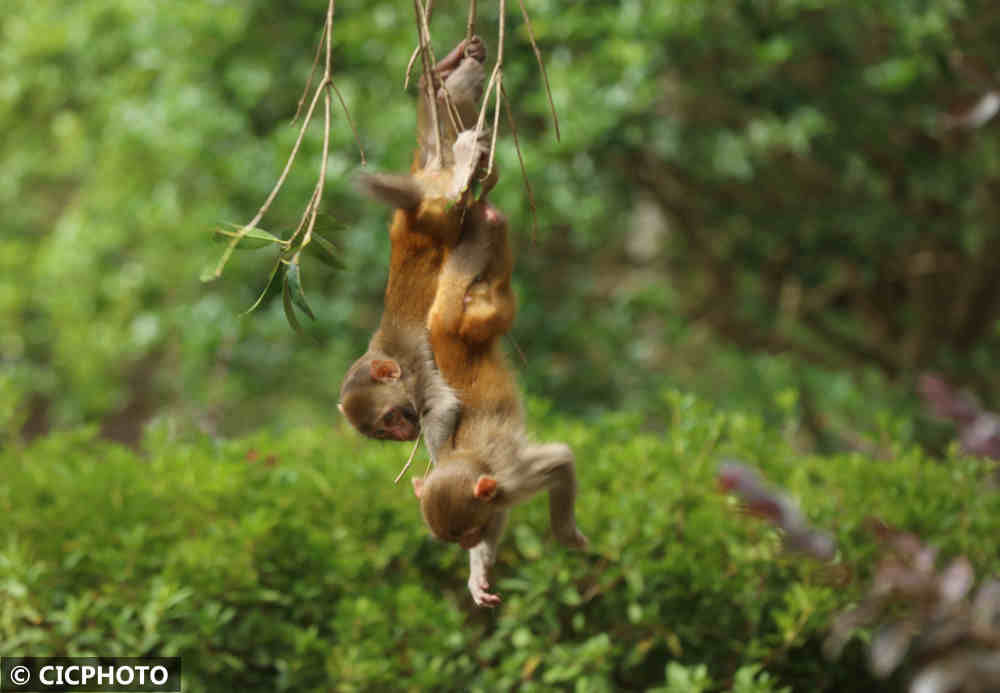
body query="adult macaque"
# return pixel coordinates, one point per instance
(394, 390)
(491, 465)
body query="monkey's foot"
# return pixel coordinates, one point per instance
(479, 586)
(481, 319)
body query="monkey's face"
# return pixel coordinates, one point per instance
(462, 524)
(397, 423)
(378, 414)
(457, 503)
(374, 400)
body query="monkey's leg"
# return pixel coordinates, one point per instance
(490, 305)
(416, 213)
(551, 466)
(489, 312)
(469, 259)
(482, 556)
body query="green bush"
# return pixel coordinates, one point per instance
(291, 562)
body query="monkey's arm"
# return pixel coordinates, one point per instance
(482, 556)
(547, 466)
(440, 409)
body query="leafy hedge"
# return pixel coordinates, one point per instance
(293, 563)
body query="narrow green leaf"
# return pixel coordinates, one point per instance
(326, 252)
(253, 238)
(286, 300)
(293, 280)
(267, 286)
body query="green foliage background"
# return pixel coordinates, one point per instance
(815, 226)
(760, 202)
(292, 563)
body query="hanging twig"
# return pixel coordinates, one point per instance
(312, 73)
(409, 67)
(321, 183)
(409, 460)
(306, 214)
(274, 192)
(350, 122)
(470, 27)
(308, 220)
(416, 51)
(496, 118)
(524, 170)
(427, 57)
(541, 66)
(494, 84)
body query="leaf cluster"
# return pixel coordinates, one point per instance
(291, 562)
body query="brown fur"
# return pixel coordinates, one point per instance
(473, 307)
(492, 464)
(425, 227)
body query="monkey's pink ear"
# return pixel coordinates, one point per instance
(385, 370)
(340, 408)
(418, 486)
(485, 488)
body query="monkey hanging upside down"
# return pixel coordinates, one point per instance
(456, 256)
(492, 464)
(394, 390)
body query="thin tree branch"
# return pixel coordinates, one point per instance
(312, 72)
(541, 66)
(470, 27)
(524, 170)
(409, 460)
(427, 57)
(350, 121)
(274, 192)
(307, 223)
(493, 86)
(416, 51)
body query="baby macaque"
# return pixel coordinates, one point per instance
(394, 386)
(394, 390)
(491, 464)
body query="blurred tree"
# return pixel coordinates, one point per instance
(818, 194)
(132, 133)
(740, 188)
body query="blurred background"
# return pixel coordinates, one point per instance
(788, 206)
(764, 224)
